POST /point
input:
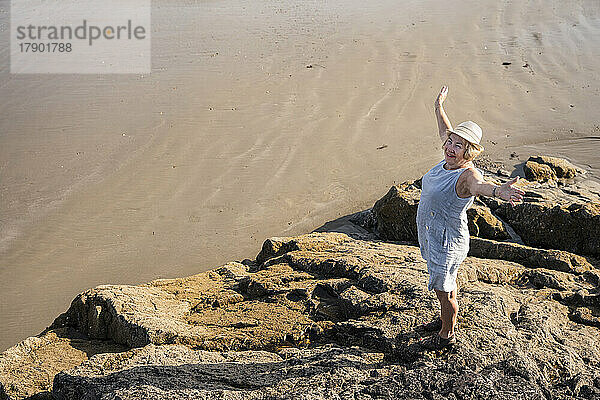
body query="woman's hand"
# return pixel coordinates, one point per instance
(509, 193)
(441, 97)
(443, 122)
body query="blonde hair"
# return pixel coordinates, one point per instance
(471, 150)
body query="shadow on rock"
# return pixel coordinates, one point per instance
(178, 372)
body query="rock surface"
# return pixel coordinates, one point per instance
(574, 226)
(556, 260)
(172, 372)
(396, 212)
(538, 172)
(328, 315)
(396, 215)
(552, 216)
(484, 224)
(28, 368)
(222, 309)
(522, 329)
(560, 167)
(545, 168)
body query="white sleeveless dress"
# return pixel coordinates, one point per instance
(442, 226)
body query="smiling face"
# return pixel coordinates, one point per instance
(454, 151)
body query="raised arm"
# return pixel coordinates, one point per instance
(477, 186)
(442, 119)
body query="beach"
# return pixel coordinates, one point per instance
(263, 120)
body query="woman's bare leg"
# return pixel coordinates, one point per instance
(449, 311)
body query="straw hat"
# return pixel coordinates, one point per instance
(469, 131)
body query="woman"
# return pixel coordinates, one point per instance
(448, 190)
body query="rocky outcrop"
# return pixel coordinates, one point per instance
(560, 167)
(545, 168)
(574, 226)
(396, 212)
(484, 224)
(27, 369)
(327, 315)
(556, 260)
(556, 215)
(227, 308)
(177, 372)
(552, 216)
(538, 172)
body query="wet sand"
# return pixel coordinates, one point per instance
(261, 120)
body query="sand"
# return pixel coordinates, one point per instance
(267, 119)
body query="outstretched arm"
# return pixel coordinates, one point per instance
(442, 119)
(479, 187)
